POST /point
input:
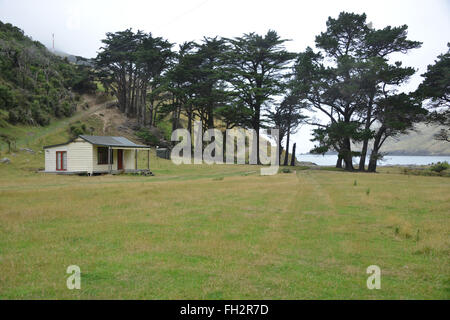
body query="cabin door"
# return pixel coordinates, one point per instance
(119, 159)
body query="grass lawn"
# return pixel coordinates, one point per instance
(223, 232)
(217, 232)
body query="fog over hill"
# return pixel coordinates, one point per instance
(419, 142)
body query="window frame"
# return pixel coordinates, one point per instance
(61, 163)
(101, 159)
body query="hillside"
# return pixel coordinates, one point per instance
(418, 142)
(36, 85)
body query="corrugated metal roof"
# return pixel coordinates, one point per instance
(112, 141)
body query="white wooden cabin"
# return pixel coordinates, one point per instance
(90, 155)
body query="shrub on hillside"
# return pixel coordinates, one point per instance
(36, 84)
(41, 117)
(77, 129)
(6, 98)
(147, 136)
(20, 115)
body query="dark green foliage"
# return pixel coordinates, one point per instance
(287, 117)
(35, 84)
(440, 166)
(197, 84)
(436, 84)
(83, 80)
(436, 87)
(78, 128)
(6, 98)
(353, 83)
(131, 66)
(9, 140)
(256, 66)
(148, 137)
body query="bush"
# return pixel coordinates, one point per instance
(440, 166)
(166, 129)
(66, 109)
(20, 115)
(147, 137)
(6, 98)
(41, 117)
(77, 129)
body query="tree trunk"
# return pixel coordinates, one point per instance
(210, 116)
(376, 148)
(189, 125)
(286, 155)
(348, 155)
(339, 161)
(362, 160)
(150, 111)
(373, 161)
(280, 149)
(293, 155)
(257, 146)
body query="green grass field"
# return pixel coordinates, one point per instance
(219, 232)
(224, 232)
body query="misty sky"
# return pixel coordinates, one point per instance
(79, 25)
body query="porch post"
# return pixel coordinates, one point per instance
(109, 160)
(135, 159)
(148, 159)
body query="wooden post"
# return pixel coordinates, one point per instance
(109, 160)
(148, 159)
(135, 159)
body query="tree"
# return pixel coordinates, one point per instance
(379, 75)
(6, 98)
(396, 114)
(154, 57)
(436, 88)
(179, 80)
(117, 65)
(256, 67)
(346, 80)
(330, 91)
(287, 117)
(130, 65)
(208, 83)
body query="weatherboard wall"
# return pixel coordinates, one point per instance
(128, 160)
(79, 157)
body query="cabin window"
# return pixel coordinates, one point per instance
(102, 155)
(61, 160)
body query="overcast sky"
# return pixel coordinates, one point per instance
(79, 25)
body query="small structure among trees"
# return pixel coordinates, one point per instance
(94, 155)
